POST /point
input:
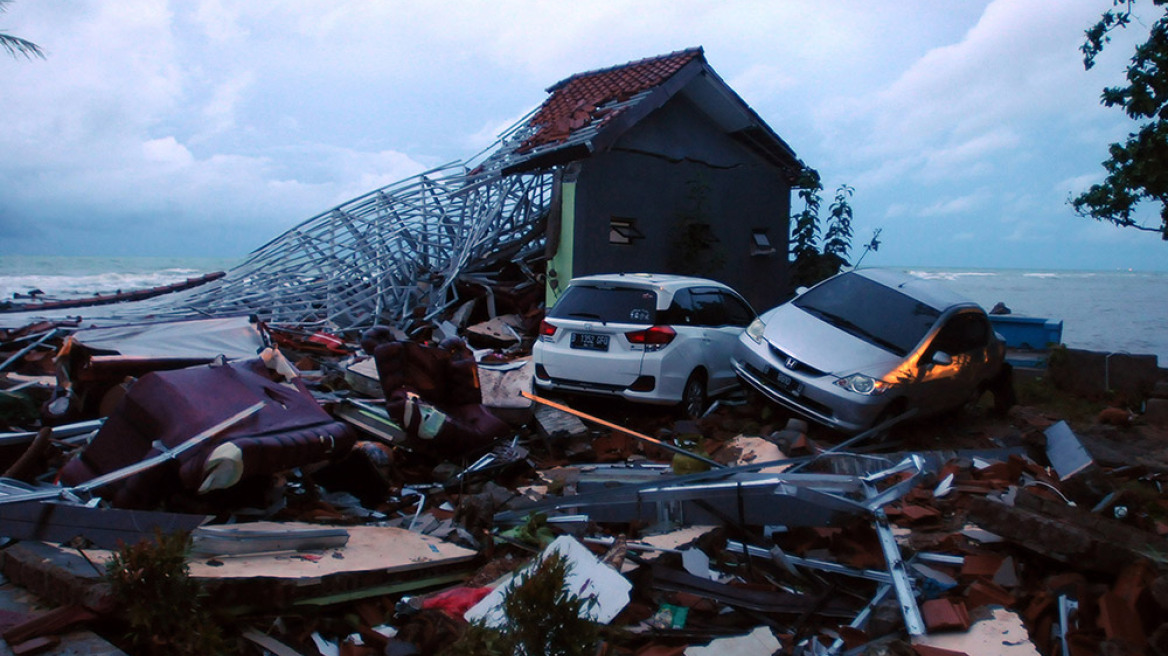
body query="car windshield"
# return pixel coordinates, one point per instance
(607, 304)
(875, 313)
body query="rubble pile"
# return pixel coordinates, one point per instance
(386, 493)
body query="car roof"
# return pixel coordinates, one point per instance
(661, 281)
(929, 292)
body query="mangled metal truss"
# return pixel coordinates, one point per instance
(376, 258)
(392, 254)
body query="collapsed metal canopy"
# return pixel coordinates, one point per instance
(376, 258)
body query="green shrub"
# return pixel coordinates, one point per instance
(543, 617)
(161, 603)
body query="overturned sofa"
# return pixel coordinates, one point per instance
(165, 410)
(433, 392)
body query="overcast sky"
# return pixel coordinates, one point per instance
(207, 127)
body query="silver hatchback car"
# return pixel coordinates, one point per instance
(864, 346)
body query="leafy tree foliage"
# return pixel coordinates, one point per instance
(837, 239)
(805, 229)
(811, 262)
(1137, 170)
(16, 45)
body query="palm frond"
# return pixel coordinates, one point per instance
(17, 46)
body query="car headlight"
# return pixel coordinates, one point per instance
(863, 385)
(755, 330)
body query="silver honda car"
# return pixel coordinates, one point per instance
(868, 345)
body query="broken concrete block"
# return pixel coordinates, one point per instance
(1156, 412)
(502, 387)
(362, 377)
(743, 450)
(557, 423)
(500, 332)
(1000, 634)
(759, 641)
(1065, 452)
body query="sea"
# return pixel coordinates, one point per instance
(1109, 311)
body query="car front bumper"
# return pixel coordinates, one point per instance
(817, 398)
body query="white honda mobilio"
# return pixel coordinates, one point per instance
(650, 338)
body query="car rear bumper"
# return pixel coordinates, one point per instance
(601, 389)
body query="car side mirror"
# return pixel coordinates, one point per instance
(799, 291)
(942, 358)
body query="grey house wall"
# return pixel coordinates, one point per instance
(646, 177)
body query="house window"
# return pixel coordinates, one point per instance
(623, 231)
(760, 243)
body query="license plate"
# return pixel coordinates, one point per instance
(784, 381)
(589, 342)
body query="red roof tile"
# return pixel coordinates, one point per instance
(945, 615)
(985, 565)
(1120, 621)
(575, 101)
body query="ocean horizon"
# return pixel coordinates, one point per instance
(1114, 311)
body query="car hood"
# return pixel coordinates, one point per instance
(823, 346)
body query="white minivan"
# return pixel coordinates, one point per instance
(652, 338)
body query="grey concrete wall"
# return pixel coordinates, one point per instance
(1095, 374)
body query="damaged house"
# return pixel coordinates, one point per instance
(663, 168)
(654, 165)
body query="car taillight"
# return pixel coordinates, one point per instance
(546, 329)
(656, 336)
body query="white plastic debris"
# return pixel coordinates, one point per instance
(588, 577)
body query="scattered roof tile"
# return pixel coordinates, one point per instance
(1120, 621)
(945, 615)
(982, 565)
(984, 593)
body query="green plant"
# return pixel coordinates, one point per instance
(161, 603)
(543, 617)
(694, 248)
(809, 262)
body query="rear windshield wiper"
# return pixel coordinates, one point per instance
(586, 315)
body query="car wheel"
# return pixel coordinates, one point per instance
(693, 396)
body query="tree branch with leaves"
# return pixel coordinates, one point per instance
(810, 262)
(1137, 169)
